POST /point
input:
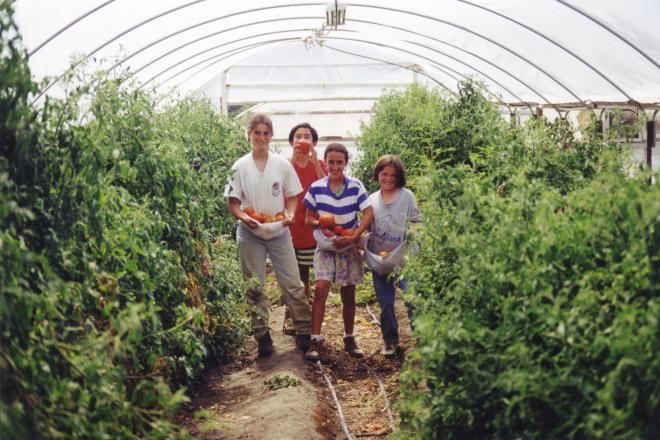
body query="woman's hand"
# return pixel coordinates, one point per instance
(289, 218)
(250, 222)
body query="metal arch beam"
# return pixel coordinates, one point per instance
(235, 51)
(436, 62)
(293, 5)
(357, 21)
(293, 39)
(288, 5)
(440, 83)
(56, 34)
(511, 51)
(196, 40)
(216, 55)
(349, 39)
(243, 48)
(148, 20)
(610, 30)
(533, 90)
(435, 65)
(217, 47)
(424, 73)
(550, 40)
(153, 43)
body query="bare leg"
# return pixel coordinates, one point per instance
(321, 290)
(304, 277)
(348, 312)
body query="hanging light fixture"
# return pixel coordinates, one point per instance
(335, 14)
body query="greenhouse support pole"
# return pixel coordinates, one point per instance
(224, 108)
(650, 141)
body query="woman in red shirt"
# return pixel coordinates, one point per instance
(309, 168)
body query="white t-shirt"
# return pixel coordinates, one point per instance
(265, 192)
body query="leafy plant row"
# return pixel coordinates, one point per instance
(536, 288)
(119, 282)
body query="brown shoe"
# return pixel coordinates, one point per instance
(351, 347)
(314, 352)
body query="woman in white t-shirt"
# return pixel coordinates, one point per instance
(265, 185)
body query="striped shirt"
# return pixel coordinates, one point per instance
(344, 207)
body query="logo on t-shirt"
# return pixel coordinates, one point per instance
(276, 189)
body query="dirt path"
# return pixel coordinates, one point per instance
(235, 401)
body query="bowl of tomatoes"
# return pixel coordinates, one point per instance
(270, 225)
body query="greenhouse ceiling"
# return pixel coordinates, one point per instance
(544, 52)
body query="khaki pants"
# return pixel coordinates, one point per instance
(252, 251)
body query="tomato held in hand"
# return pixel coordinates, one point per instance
(337, 230)
(304, 146)
(326, 220)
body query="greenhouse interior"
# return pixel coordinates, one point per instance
(528, 134)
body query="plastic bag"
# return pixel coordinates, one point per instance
(385, 265)
(269, 230)
(326, 243)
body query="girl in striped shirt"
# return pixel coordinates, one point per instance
(341, 197)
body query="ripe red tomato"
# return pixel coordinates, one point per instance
(326, 220)
(337, 230)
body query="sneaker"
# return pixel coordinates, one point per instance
(388, 350)
(303, 342)
(265, 345)
(351, 347)
(314, 352)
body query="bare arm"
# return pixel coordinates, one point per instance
(291, 205)
(310, 219)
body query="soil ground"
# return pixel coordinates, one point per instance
(235, 402)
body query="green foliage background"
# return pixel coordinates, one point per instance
(536, 287)
(118, 280)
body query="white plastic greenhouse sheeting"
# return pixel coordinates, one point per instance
(540, 51)
(543, 53)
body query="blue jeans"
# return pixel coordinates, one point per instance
(384, 285)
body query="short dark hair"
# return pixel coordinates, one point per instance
(337, 148)
(260, 119)
(391, 160)
(315, 135)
